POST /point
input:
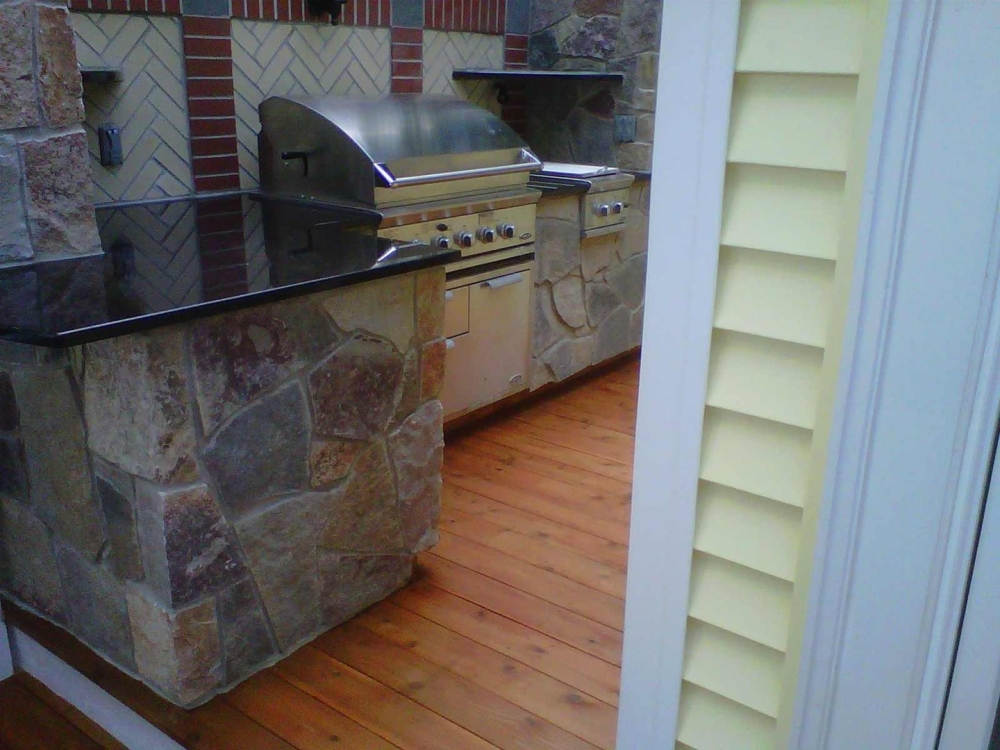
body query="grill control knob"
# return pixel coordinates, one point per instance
(617, 207)
(486, 234)
(507, 231)
(441, 241)
(603, 210)
(464, 239)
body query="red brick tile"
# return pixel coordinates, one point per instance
(219, 277)
(298, 10)
(515, 56)
(501, 17)
(204, 128)
(408, 36)
(267, 11)
(217, 46)
(211, 293)
(284, 12)
(210, 68)
(206, 165)
(194, 26)
(214, 224)
(213, 146)
(407, 52)
(79, 5)
(407, 86)
(217, 182)
(222, 244)
(407, 69)
(222, 107)
(210, 87)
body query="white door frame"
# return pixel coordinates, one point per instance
(917, 399)
(919, 391)
(694, 90)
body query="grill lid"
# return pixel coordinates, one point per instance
(309, 145)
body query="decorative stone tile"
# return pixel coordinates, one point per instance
(613, 335)
(430, 304)
(644, 100)
(13, 468)
(116, 493)
(59, 205)
(647, 67)
(28, 568)
(177, 651)
(363, 514)
(598, 7)
(560, 240)
(566, 208)
(239, 356)
(353, 391)
(596, 254)
(597, 38)
(543, 50)
(54, 442)
(409, 391)
(570, 356)
(628, 280)
(432, 357)
(446, 51)
(591, 138)
(331, 460)
(383, 308)
(262, 452)
(541, 374)
(58, 74)
(417, 448)
(245, 638)
(280, 546)
(601, 302)
(95, 599)
(547, 328)
(188, 549)
(18, 105)
(637, 156)
(15, 244)
(136, 404)
(636, 235)
(635, 327)
(567, 294)
(546, 14)
(352, 583)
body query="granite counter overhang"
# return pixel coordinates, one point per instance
(180, 260)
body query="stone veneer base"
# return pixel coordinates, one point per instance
(197, 502)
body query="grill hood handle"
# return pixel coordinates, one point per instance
(528, 163)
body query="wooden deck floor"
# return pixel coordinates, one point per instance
(508, 637)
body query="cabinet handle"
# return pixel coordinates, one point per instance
(449, 296)
(502, 281)
(449, 344)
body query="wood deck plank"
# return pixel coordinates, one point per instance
(69, 712)
(537, 527)
(404, 668)
(585, 672)
(28, 723)
(554, 701)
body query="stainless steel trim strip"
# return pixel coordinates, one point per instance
(528, 163)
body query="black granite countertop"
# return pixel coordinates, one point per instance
(178, 260)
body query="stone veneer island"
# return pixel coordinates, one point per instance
(196, 501)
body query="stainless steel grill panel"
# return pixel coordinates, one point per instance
(383, 151)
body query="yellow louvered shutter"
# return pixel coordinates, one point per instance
(801, 97)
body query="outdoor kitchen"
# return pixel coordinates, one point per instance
(225, 379)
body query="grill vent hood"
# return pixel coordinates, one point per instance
(388, 150)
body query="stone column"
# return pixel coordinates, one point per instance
(46, 208)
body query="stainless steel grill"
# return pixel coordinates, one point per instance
(441, 171)
(387, 151)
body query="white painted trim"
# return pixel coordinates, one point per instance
(114, 717)
(975, 688)
(697, 59)
(6, 657)
(918, 396)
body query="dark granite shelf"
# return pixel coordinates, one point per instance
(172, 261)
(511, 76)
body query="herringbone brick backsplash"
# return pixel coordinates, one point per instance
(444, 51)
(149, 105)
(284, 58)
